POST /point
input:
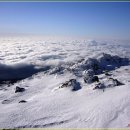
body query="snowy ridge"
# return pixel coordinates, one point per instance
(50, 81)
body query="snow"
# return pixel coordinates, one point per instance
(42, 66)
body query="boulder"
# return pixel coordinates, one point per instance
(75, 85)
(72, 83)
(22, 101)
(19, 89)
(95, 79)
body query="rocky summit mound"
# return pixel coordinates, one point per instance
(102, 62)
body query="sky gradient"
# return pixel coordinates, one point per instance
(90, 19)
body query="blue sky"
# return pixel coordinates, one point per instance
(90, 19)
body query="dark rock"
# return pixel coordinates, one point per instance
(65, 84)
(95, 79)
(71, 83)
(91, 79)
(18, 89)
(99, 86)
(22, 101)
(75, 85)
(108, 84)
(116, 82)
(88, 76)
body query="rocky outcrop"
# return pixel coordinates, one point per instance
(99, 86)
(116, 82)
(19, 89)
(99, 64)
(72, 83)
(111, 82)
(89, 76)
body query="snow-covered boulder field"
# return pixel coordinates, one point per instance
(64, 84)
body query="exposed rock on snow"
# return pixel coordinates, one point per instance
(91, 79)
(75, 85)
(22, 101)
(108, 84)
(101, 63)
(95, 79)
(72, 83)
(99, 86)
(19, 89)
(89, 76)
(116, 82)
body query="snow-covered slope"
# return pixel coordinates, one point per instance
(52, 87)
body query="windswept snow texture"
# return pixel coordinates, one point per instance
(55, 94)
